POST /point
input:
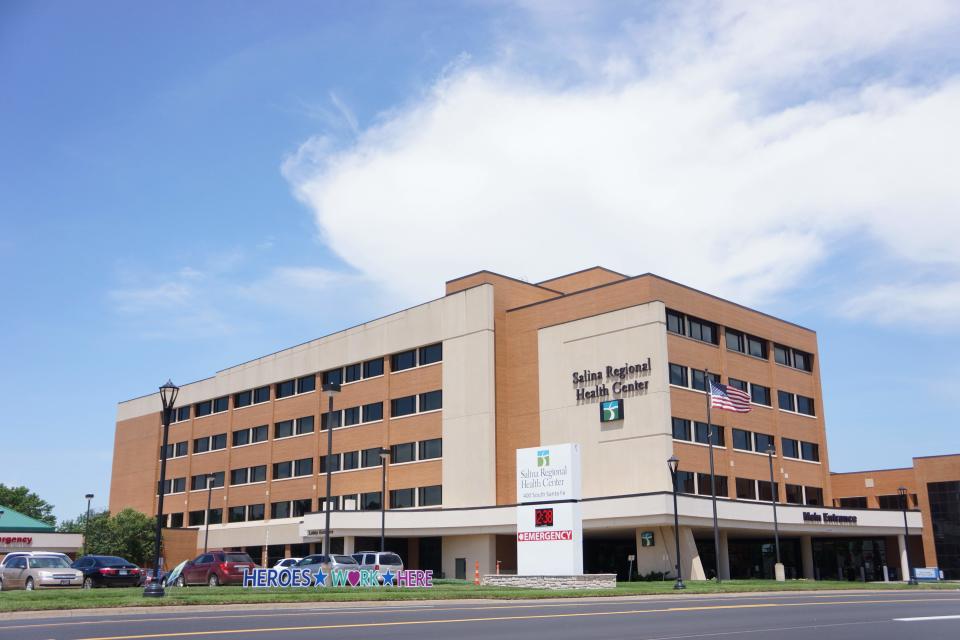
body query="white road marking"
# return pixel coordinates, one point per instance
(927, 618)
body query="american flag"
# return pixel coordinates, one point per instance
(730, 398)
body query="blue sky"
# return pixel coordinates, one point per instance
(185, 186)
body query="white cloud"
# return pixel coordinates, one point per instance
(934, 306)
(704, 167)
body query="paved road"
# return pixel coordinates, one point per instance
(838, 616)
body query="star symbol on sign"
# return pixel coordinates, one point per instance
(320, 578)
(388, 578)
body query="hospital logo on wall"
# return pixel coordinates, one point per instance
(611, 410)
(543, 458)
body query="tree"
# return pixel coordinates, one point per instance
(77, 525)
(128, 534)
(28, 503)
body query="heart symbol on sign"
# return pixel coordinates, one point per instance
(353, 577)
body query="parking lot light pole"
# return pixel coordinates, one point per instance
(384, 455)
(206, 533)
(168, 395)
(906, 536)
(674, 463)
(773, 501)
(331, 389)
(86, 525)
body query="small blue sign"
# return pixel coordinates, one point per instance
(611, 410)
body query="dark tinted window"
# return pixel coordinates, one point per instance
(431, 353)
(430, 496)
(678, 375)
(180, 449)
(329, 419)
(699, 379)
(746, 489)
(791, 448)
(406, 452)
(763, 442)
(201, 445)
(781, 355)
(330, 463)
(305, 425)
(403, 406)
(763, 491)
(431, 449)
(802, 360)
(179, 485)
(301, 507)
(401, 499)
(261, 395)
(334, 376)
(703, 484)
(183, 413)
(280, 510)
(370, 501)
(805, 405)
(239, 476)
(255, 512)
(794, 494)
(701, 429)
(218, 441)
(237, 514)
(197, 518)
(203, 408)
(737, 384)
(373, 368)
(760, 394)
(282, 470)
(353, 373)
(370, 457)
(853, 503)
(372, 412)
(757, 347)
(221, 404)
(243, 399)
(351, 416)
(258, 473)
(681, 429)
(742, 440)
(306, 384)
(285, 389)
(351, 460)
(283, 429)
(702, 330)
(785, 401)
(735, 341)
(810, 451)
(303, 467)
(675, 322)
(403, 360)
(431, 401)
(176, 520)
(685, 483)
(814, 496)
(259, 434)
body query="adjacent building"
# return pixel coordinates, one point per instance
(453, 387)
(19, 532)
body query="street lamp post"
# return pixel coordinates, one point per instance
(168, 395)
(206, 532)
(331, 389)
(778, 572)
(906, 536)
(384, 455)
(673, 463)
(86, 525)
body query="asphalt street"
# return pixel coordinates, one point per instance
(837, 616)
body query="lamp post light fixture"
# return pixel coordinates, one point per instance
(908, 570)
(778, 572)
(86, 525)
(331, 389)
(674, 463)
(206, 532)
(168, 395)
(384, 455)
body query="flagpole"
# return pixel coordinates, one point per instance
(713, 480)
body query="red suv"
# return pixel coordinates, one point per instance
(215, 568)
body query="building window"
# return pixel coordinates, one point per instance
(760, 394)
(218, 442)
(334, 376)
(283, 429)
(285, 389)
(805, 405)
(794, 494)
(402, 498)
(373, 368)
(757, 347)
(791, 448)
(763, 491)
(681, 429)
(329, 419)
(302, 507)
(859, 502)
(261, 394)
(352, 372)
(239, 476)
(431, 401)
(701, 429)
(737, 384)
(403, 406)
(403, 360)
(814, 496)
(370, 457)
(742, 440)
(373, 412)
(303, 467)
(330, 463)
(258, 473)
(179, 485)
(221, 404)
(351, 416)
(250, 436)
(785, 401)
(197, 518)
(255, 512)
(199, 482)
(810, 451)
(351, 460)
(675, 323)
(431, 353)
(236, 514)
(790, 357)
(203, 408)
(282, 470)
(746, 489)
(430, 496)
(944, 500)
(763, 442)
(280, 509)
(685, 482)
(781, 354)
(242, 399)
(306, 384)
(429, 449)
(370, 501)
(678, 375)
(891, 502)
(216, 516)
(176, 520)
(702, 330)
(802, 360)
(703, 484)
(406, 452)
(736, 341)
(304, 425)
(201, 445)
(183, 413)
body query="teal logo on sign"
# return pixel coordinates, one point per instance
(611, 410)
(543, 458)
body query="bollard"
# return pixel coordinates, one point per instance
(476, 573)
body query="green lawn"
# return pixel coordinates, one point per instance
(443, 590)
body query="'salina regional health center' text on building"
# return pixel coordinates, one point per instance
(453, 387)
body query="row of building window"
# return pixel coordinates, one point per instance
(737, 341)
(690, 378)
(748, 489)
(889, 502)
(399, 453)
(420, 357)
(695, 431)
(431, 496)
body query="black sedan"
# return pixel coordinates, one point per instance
(107, 571)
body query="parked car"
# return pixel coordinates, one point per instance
(381, 561)
(286, 563)
(38, 570)
(327, 563)
(215, 568)
(107, 571)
